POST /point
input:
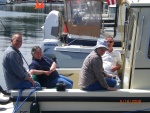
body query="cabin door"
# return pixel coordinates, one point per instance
(140, 78)
(130, 41)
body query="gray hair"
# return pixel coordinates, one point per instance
(110, 37)
(34, 48)
(12, 37)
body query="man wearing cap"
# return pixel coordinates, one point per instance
(92, 76)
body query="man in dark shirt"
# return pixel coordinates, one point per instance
(45, 69)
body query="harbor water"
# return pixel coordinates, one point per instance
(24, 18)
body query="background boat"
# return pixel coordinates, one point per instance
(83, 35)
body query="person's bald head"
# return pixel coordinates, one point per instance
(16, 40)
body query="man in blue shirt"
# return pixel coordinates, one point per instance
(15, 74)
(45, 69)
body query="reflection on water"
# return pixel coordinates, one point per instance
(24, 18)
(27, 20)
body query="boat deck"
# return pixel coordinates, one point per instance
(120, 96)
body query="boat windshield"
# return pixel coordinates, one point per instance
(84, 12)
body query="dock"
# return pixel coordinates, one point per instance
(8, 108)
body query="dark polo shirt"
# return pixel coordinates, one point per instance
(43, 64)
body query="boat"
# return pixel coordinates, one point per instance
(75, 54)
(94, 18)
(53, 48)
(134, 93)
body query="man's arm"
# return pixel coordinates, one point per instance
(39, 72)
(52, 63)
(98, 69)
(119, 62)
(17, 66)
(115, 68)
(53, 67)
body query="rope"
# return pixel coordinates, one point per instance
(146, 109)
(3, 25)
(24, 59)
(17, 106)
(72, 41)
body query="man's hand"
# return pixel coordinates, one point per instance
(113, 68)
(47, 72)
(109, 76)
(30, 80)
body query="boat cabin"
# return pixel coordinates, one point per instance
(136, 52)
(132, 96)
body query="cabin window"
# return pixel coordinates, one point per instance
(130, 33)
(112, 10)
(105, 8)
(54, 31)
(126, 27)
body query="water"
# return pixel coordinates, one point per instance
(25, 19)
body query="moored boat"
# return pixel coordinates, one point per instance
(85, 31)
(133, 95)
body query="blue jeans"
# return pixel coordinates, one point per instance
(60, 78)
(27, 85)
(97, 86)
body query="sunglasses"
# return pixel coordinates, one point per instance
(109, 41)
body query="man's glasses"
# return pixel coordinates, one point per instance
(109, 41)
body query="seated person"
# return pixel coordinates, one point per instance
(77, 19)
(15, 74)
(92, 76)
(112, 59)
(45, 69)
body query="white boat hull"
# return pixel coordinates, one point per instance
(78, 101)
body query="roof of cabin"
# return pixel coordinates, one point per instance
(138, 3)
